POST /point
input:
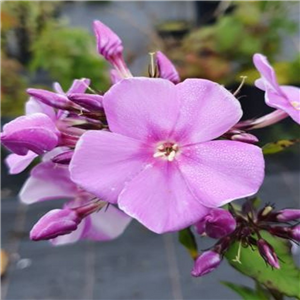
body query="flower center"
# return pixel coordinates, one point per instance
(296, 105)
(166, 150)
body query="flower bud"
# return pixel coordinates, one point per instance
(88, 101)
(166, 68)
(245, 137)
(63, 158)
(268, 254)
(206, 263)
(109, 45)
(54, 223)
(217, 223)
(52, 99)
(295, 233)
(287, 215)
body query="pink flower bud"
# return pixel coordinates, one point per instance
(88, 101)
(245, 137)
(206, 263)
(63, 158)
(110, 46)
(166, 68)
(295, 233)
(268, 254)
(217, 223)
(52, 99)
(54, 223)
(287, 215)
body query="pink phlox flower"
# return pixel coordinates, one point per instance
(282, 97)
(160, 161)
(49, 181)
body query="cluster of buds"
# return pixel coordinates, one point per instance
(245, 226)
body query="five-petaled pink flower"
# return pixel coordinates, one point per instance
(286, 98)
(159, 163)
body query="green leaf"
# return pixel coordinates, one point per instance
(250, 263)
(187, 239)
(279, 146)
(245, 292)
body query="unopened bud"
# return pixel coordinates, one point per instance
(268, 254)
(89, 101)
(54, 223)
(217, 223)
(206, 263)
(63, 158)
(52, 99)
(295, 233)
(245, 137)
(287, 215)
(166, 68)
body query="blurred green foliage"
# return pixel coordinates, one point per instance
(223, 51)
(34, 40)
(68, 53)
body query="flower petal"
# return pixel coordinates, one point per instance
(221, 171)
(142, 108)
(48, 181)
(79, 86)
(105, 225)
(207, 111)
(267, 73)
(160, 199)
(18, 163)
(35, 132)
(291, 104)
(103, 162)
(34, 106)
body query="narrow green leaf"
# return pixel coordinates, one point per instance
(245, 292)
(187, 239)
(279, 146)
(250, 263)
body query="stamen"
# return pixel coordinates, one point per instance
(240, 86)
(166, 150)
(152, 69)
(171, 156)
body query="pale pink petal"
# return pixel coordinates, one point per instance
(79, 86)
(35, 132)
(48, 181)
(267, 73)
(221, 171)
(160, 199)
(103, 162)
(142, 108)
(18, 163)
(166, 68)
(207, 111)
(293, 95)
(34, 106)
(105, 225)
(58, 89)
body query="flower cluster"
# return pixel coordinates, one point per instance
(164, 152)
(244, 226)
